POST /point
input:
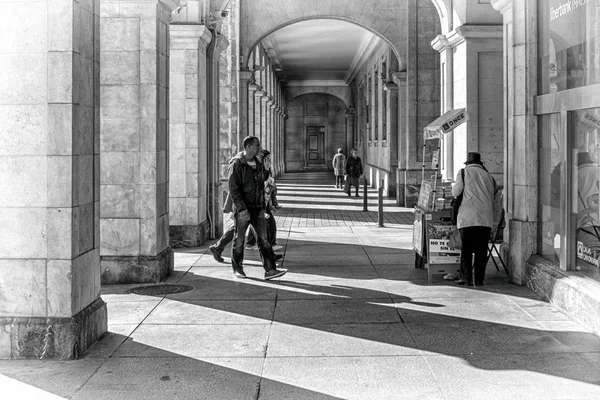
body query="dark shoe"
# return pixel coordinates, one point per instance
(239, 273)
(478, 283)
(278, 257)
(216, 253)
(275, 273)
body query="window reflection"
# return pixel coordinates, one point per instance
(584, 128)
(551, 187)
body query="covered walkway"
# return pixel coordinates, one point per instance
(352, 319)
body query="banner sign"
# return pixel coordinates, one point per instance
(445, 123)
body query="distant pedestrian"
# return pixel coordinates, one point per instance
(339, 168)
(247, 188)
(354, 171)
(479, 212)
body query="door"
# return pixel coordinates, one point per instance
(315, 138)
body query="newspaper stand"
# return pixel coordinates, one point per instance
(432, 225)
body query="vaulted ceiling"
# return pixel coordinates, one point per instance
(323, 52)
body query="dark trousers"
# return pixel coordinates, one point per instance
(225, 238)
(339, 181)
(258, 222)
(474, 241)
(271, 232)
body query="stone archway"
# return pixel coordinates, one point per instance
(261, 18)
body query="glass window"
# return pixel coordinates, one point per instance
(376, 103)
(584, 129)
(551, 188)
(569, 33)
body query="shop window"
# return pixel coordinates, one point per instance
(569, 38)
(584, 129)
(551, 187)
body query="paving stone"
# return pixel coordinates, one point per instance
(336, 311)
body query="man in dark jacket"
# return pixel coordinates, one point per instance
(247, 189)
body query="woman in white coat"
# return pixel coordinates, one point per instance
(479, 213)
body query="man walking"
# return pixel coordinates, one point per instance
(247, 188)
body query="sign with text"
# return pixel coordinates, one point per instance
(438, 231)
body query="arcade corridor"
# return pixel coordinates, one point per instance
(352, 303)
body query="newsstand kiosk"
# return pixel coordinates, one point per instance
(433, 212)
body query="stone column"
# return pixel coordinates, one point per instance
(134, 219)
(350, 128)
(408, 174)
(391, 91)
(244, 105)
(213, 98)
(520, 134)
(188, 225)
(441, 44)
(264, 121)
(50, 304)
(477, 86)
(258, 112)
(271, 136)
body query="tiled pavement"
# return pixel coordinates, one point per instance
(352, 319)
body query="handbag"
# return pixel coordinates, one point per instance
(347, 186)
(455, 240)
(458, 200)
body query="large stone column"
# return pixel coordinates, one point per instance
(520, 133)
(350, 128)
(391, 91)
(188, 225)
(477, 86)
(244, 105)
(258, 113)
(134, 220)
(50, 304)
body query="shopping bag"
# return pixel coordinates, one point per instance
(347, 187)
(455, 240)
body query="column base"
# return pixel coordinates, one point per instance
(136, 269)
(181, 236)
(576, 296)
(54, 337)
(522, 238)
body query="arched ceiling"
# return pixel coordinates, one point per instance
(319, 52)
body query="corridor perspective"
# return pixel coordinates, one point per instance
(352, 319)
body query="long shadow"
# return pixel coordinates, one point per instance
(405, 325)
(152, 373)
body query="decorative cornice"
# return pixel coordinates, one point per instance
(440, 43)
(399, 78)
(253, 86)
(465, 32)
(390, 87)
(189, 37)
(502, 5)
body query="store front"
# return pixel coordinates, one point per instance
(568, 110)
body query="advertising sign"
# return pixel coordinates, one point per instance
(439, 252)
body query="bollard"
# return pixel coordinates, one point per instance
(365, 209)
(380, 204)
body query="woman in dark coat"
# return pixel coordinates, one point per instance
(354, 170)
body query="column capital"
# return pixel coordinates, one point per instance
(350, 112)
(259, 93)
(399, 78)
(189, 37)
(468, 32)
(272, 104)
(502, 5)
(265, 98)
(253, 86)
(390, 87)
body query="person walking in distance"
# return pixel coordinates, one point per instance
(339, 168)
(479, 212)
(247, 188)
(354, 170)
